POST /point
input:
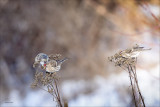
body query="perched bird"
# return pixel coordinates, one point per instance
(133, 52)
(54, 65)
(49, 63)
(41, 59)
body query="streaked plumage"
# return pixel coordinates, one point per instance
(54, 65)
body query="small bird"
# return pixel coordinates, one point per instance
(133, 52)
(54, 65)
(49, 63)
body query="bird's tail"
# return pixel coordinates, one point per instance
(61, 61)
(147, 49)
(139, 49)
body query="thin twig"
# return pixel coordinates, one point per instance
(45, 90)
(135, 77)
(132, 87)
(59, 99)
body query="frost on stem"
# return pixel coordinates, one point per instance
(127, 59)
(48, 80)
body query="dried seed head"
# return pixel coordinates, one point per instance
(34, 84)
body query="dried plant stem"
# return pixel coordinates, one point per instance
(132, 87)
(49, 79)
(46, 91)
(128, 59)
(57, 93)
(136, 81)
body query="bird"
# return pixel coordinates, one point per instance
(54, 65)
(133, 52)
(49, 63)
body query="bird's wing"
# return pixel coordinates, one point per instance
(54, 57)
(52, 62)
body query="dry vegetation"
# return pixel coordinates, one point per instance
(127, 60)
(49, 81)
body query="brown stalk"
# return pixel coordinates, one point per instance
(132, 86)
(135, 78)
(57, 93)
(120, 59)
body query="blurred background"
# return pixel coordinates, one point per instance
(88, 32)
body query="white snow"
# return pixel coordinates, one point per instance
(107, 94)
(33, 98)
